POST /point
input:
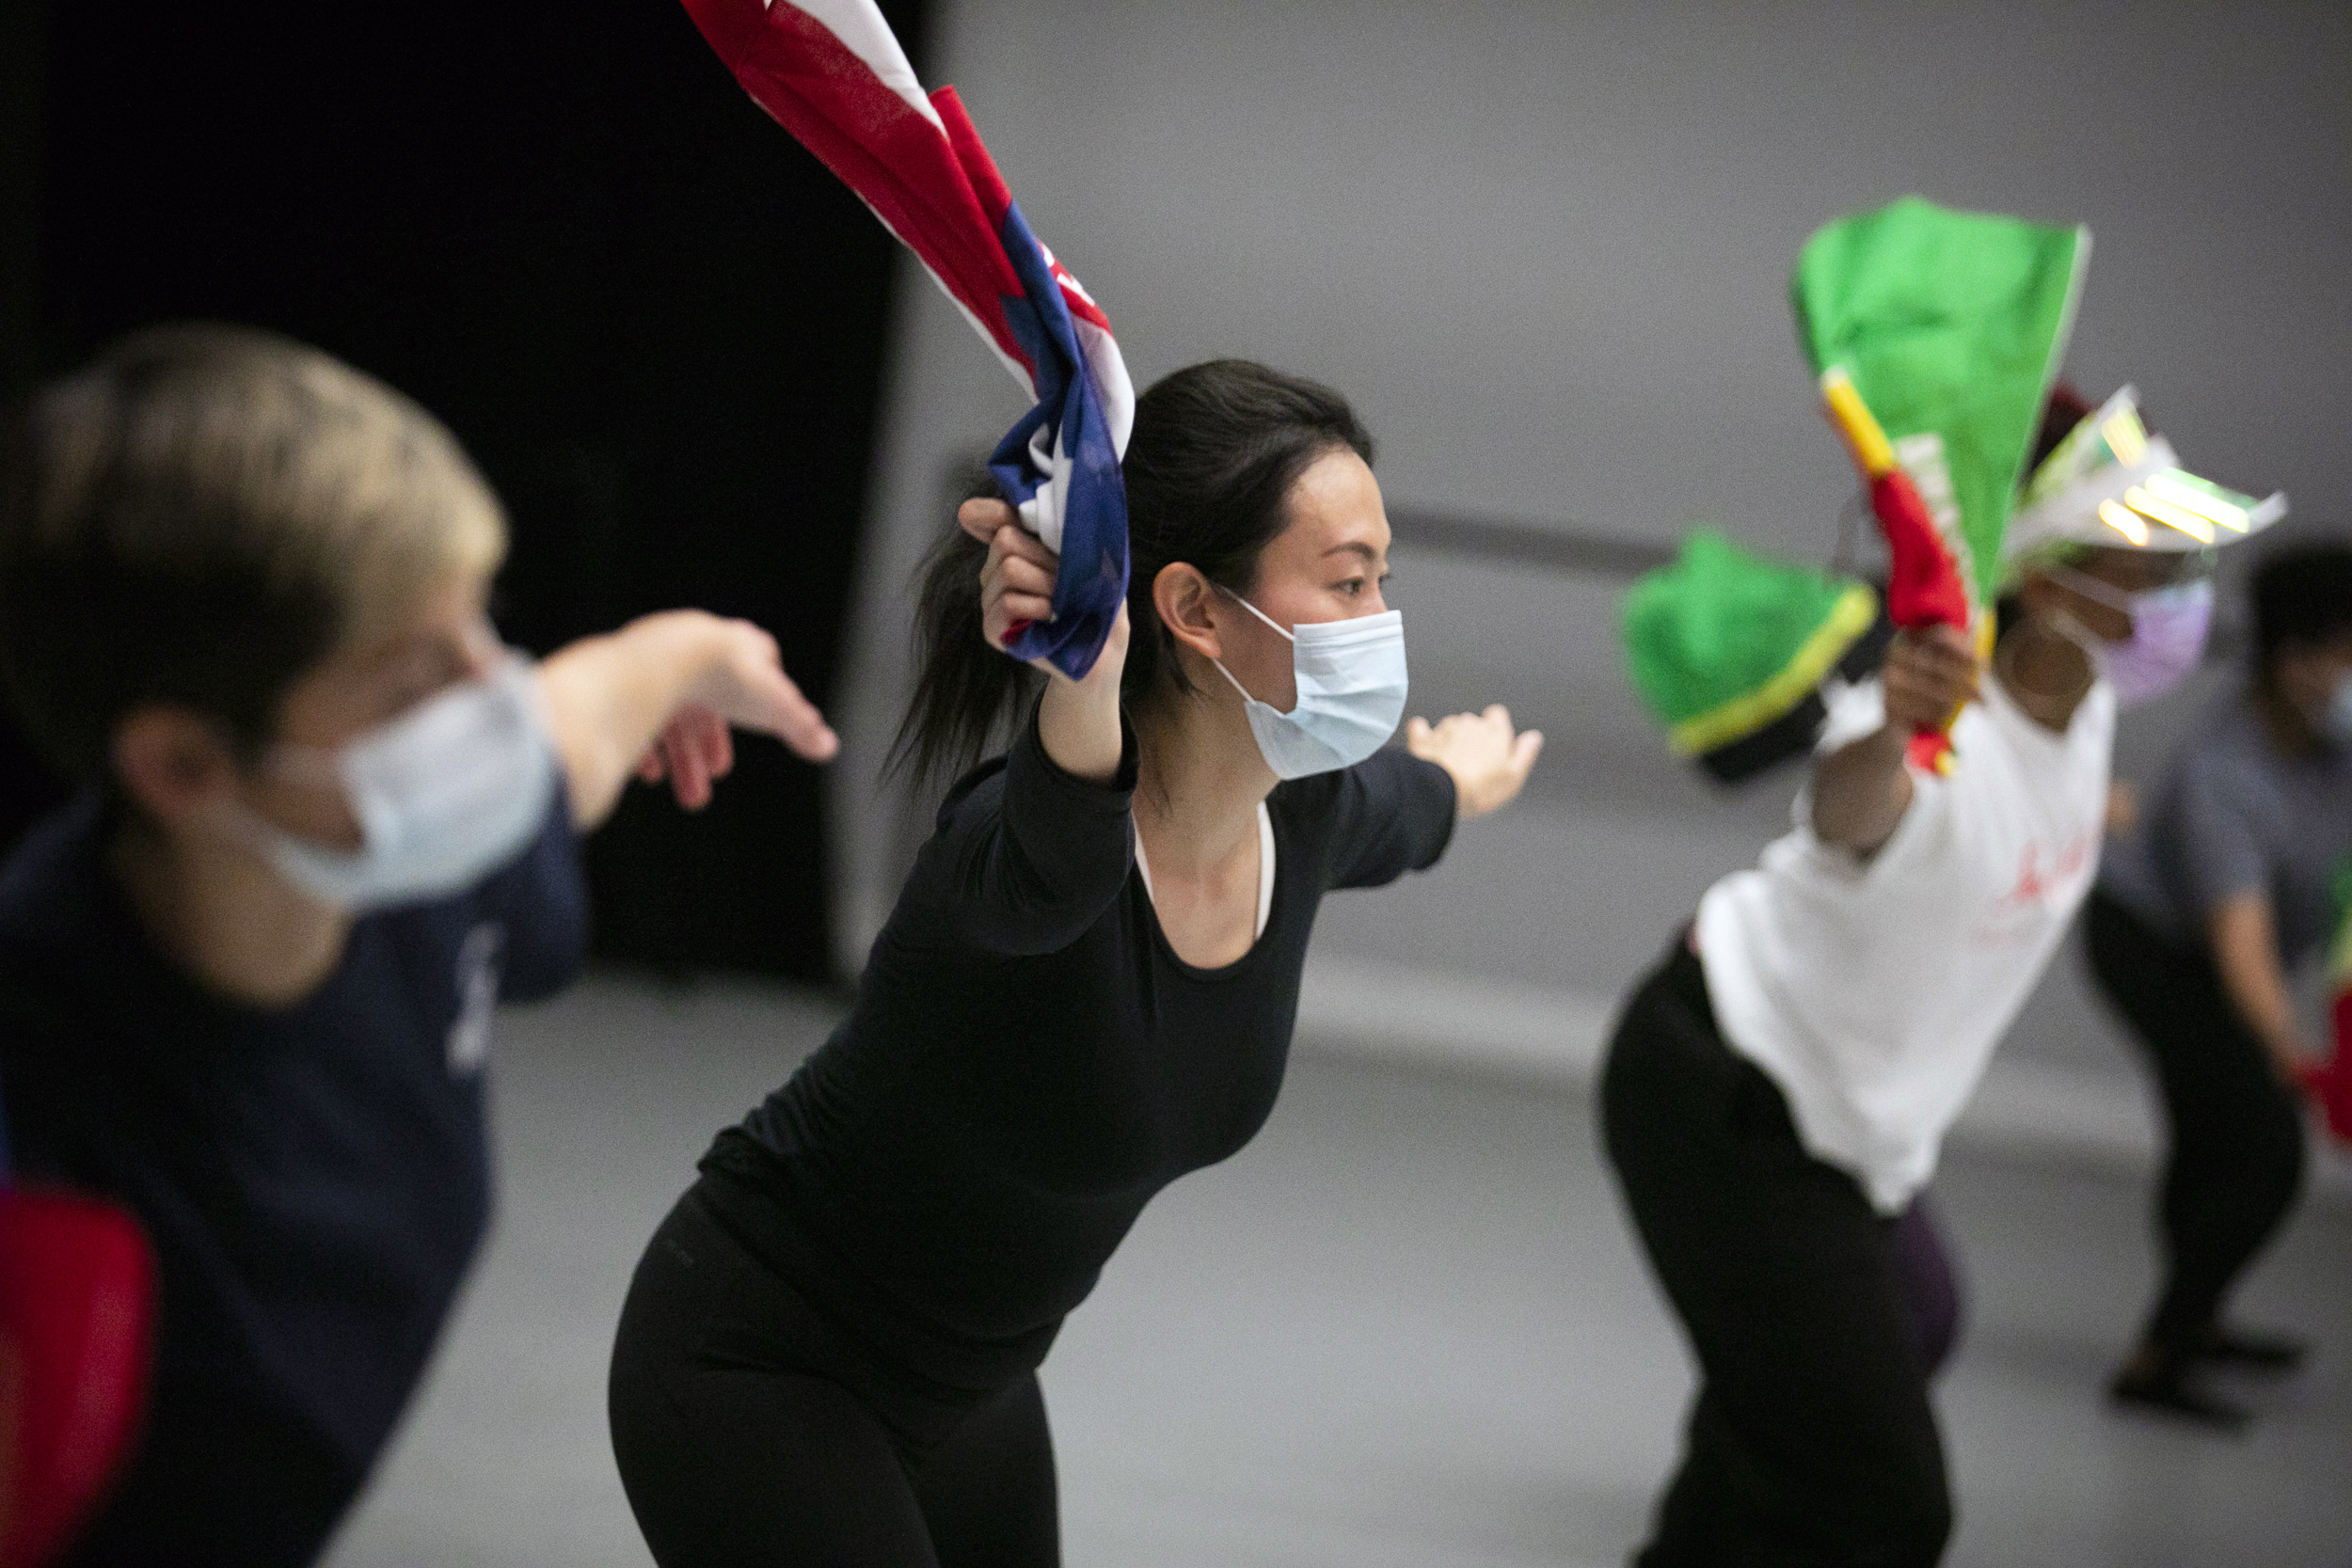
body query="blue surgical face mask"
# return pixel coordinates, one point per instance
(1351, 684)
(444, 795)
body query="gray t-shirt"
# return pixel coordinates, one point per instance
(2231, 817)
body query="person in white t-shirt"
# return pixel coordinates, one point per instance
(1776, 1090)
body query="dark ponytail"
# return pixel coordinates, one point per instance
(1209, 469)
(966, 693)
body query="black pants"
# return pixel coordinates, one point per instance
(2236, 1157)
(750, 1430)
(1817, 1322)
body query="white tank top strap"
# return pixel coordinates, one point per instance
(1266, 869)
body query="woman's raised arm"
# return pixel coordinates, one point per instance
(1079, 719)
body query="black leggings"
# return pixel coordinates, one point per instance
(1817, 1322)
(2236, 1158)
(740, 1441)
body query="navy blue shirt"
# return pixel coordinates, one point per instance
(314, 1179)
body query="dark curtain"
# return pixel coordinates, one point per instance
(655, 321)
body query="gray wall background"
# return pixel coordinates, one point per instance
(1544, 249)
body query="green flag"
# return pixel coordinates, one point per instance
(1951, 325)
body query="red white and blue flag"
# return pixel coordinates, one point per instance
(832, 72)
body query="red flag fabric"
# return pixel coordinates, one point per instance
(77, 1296)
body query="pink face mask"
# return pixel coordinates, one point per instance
(2168, 629)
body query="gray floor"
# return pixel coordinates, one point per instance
(1406, 1326)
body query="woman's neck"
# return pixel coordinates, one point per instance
(1201, 784)
(219, 912)
(2045, 673)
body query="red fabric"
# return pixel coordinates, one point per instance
(1929, 751)
(2329, 1083)
(1924, 586)
(77, 1294)
(879, 145)
(963, 139)
(996, 198)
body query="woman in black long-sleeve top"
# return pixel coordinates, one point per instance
(1086, 990)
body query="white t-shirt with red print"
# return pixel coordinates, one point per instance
(1874, 991)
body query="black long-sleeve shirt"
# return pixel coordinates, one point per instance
(1028, 1061)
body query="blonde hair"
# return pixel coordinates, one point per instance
(204, 515)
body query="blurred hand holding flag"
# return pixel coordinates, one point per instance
(1935, 335)
(832, 72)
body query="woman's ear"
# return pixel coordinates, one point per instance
(1187, 603)
(173, 763)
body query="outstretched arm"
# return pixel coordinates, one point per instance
(1861, 791)
(683, 676)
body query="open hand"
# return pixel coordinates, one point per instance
(694, 751)
(1489, 761)
(1929, 675)
(744, 685)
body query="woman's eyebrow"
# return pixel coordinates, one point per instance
(1358, 547)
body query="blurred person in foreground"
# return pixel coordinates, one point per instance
(1775, 1095)
(2236, 877)
(327, 822)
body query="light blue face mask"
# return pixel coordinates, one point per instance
(1351, 693)
(445, 794)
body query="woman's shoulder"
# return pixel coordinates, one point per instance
(1392, 779)
(977, 789)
